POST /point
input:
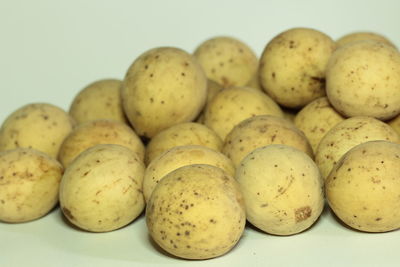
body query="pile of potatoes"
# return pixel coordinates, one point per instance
(208, 141)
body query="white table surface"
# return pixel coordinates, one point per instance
(49, 50)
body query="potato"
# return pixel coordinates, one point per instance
(212, 89)
(347, 134)
(164, 86)
(179, 156)
(260, 131)
(196, 212)
(102, 189)
(97, 132)
(316, 119)
(99, 100)
(363, 188)
(227, 61)
(29, 184)
(40, 126)
(255, 83)
(292, 66)
(233, 105)
(187, 133)
(282, 189)
(362, 36)
(363, 79)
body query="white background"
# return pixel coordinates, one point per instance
(49, 50)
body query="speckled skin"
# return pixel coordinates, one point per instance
(363, 189)
(233, 105)
(292, 66)
(179, 156)
(29, 184)
(363, 79)
(227, 61)
(97, 132)
(260, 131)
(282, 189)
(102, 189)
(347, 134)
(164, 86)
(316, 119)
(363, 36)
(196, 212)
(187, 133)
(40, 126)
(99, 100)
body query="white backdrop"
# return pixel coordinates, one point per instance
(51, 49)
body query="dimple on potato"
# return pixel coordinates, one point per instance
(99, 100)
(363, 188)
(282, 189)
(227, 61)
(196, 212)
(102, 189)
(96, 132)
(29, 184)
(347, 134)
(363, 79)
(233, 105)
(182, 134)
(316, 119)
(40, 126)
(179, 156)
(292, 66)
(163, 86)
(261, 131)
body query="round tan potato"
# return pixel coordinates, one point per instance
(363, 79)
(102, 189)
(282, 189)
(227, 61)
(39, 126)
(363, 36)
(316, 119)
(187, 133)
(233, 105)
(196, 212)
(179, 156)
(261, 131)
(97, 132)
(347, 134)
(164, 86)
(29, 184)
(292, 66)
(363, 188)
(99, 100)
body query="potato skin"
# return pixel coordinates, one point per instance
(363, 36)
(180, 156)
(96, 132)
(182, 134)
(363, 79)
(347, 134)
(196, 212)
(233, 105)
(260, 131)
(282, 189)
(40, 126)
(292, 66)
(102, 189)
(316, 119)
(227, 61)
(164, 86)
(363, 188)
(99, 100)
(29, 184)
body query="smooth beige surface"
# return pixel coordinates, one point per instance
(50, 49)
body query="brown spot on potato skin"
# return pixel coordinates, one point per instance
(302, 213)
(68, 213)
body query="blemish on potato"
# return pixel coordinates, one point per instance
(68, 213)
(302, 213)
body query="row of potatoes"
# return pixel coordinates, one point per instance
(210, 140)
